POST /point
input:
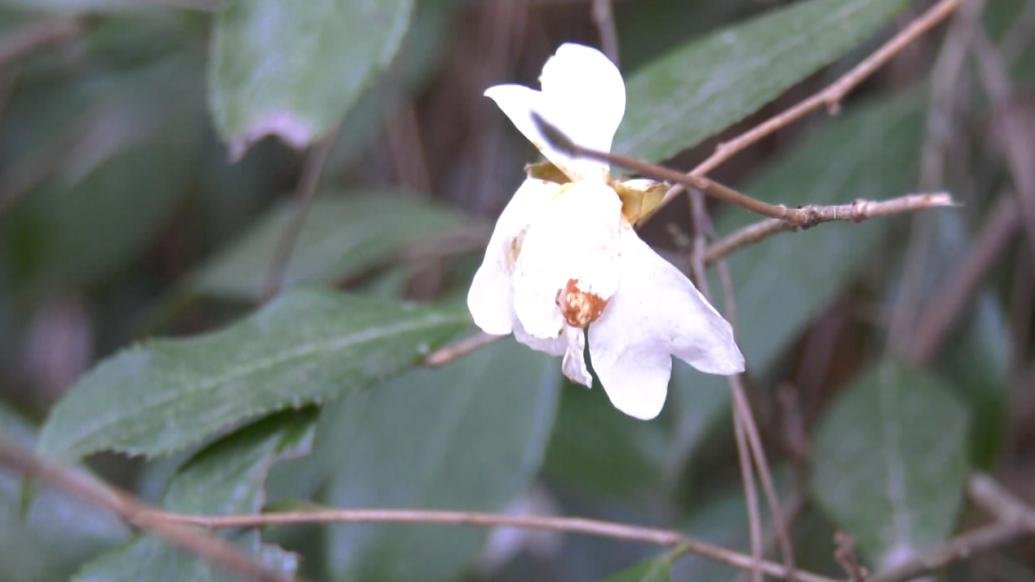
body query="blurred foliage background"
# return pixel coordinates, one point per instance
(152, 153)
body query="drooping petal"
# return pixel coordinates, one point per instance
(573, 245)
(656, 312)
(574, 362)
(571, 344)
(490, 298)
(583, 95)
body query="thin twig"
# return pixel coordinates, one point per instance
(304, 198)
(460, 348)
(1003, 505)
(783, 536)
(747, 476)
(135, 512)
(1014, 520)
(1014, 129)
(830, 97)
(37, 36)
(857, 211)
(577, 525)
(951, 298)
(958, 548)
(844, 553)
(603, 17)
(644, 168)
(749, 445)
(800, 217)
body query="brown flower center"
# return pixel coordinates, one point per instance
(579, 307)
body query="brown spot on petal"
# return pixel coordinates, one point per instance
(513, 250)
(579, 308)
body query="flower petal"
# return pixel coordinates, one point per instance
(656, 312)
(585, 89)
(574, 362)
(571, 344)
(489, 298)
(583, 95)
(575, 242)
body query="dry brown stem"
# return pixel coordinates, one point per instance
(443, 356)
(1013, 124)
(857, 211)
(603, 17)
(747, 476)
(304, 193)
(1014, 520)
(830, 97)
(138, 514)
(578, 525)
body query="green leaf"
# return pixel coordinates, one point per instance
(294, 68)
(468, 436)
(632, 463)
(57, 533)
(343, 236)
(975, 357)
(870, 152)
(102, 153)
(54, 233)
(657, 569)
(306, 346)
(890, 462)
(700, 405)
(226, 478)
(704, 87)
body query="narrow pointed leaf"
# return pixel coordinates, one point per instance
(890, 463)
(227, 478)
(343, 236)
(306, 346)
(707, 85)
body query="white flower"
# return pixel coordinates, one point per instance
(564, 261)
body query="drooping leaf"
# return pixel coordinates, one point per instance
(293, 69)
(342, 237)
(783, 281)
(890, 462)
(226, 478)
(468, 436)
(707, 85)
(306, 346)
(57, 533)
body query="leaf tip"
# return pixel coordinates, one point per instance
(285, 125)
